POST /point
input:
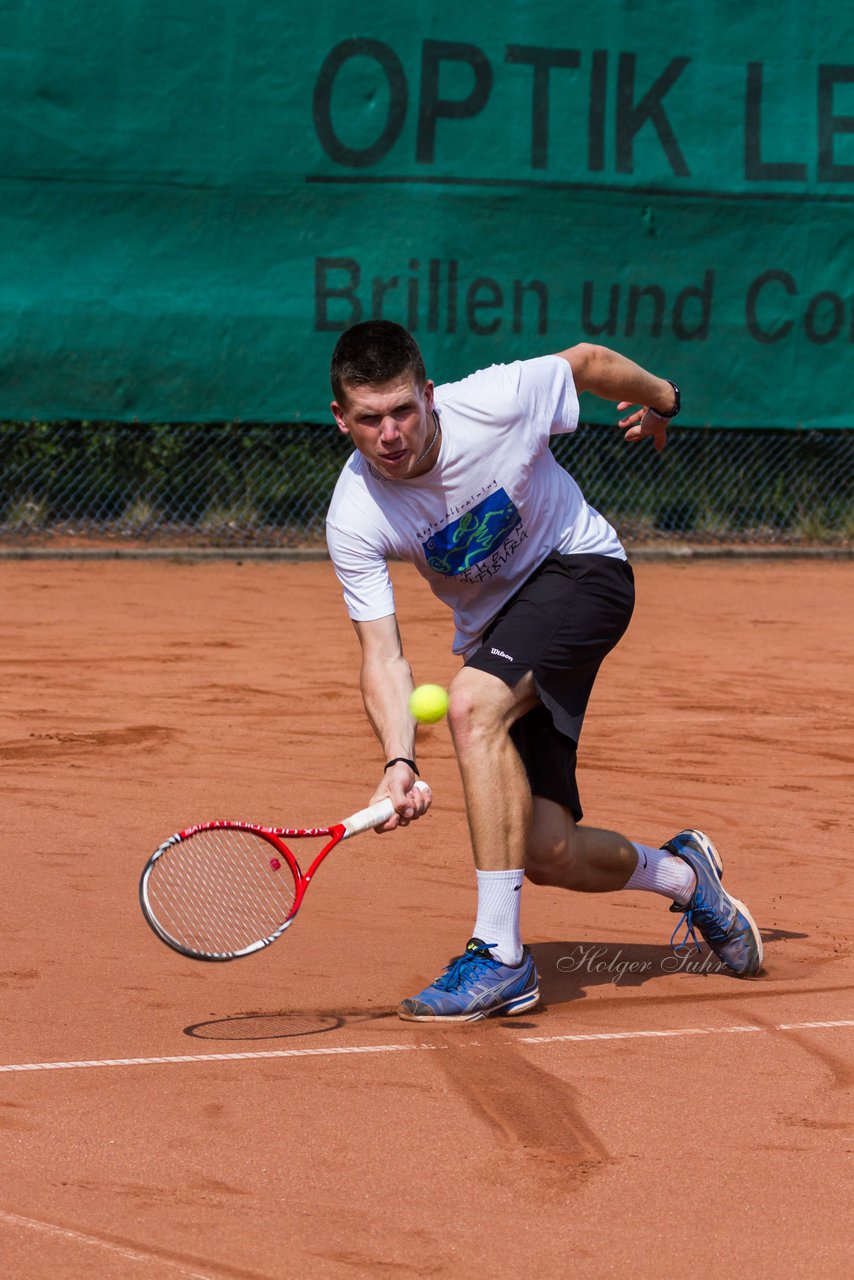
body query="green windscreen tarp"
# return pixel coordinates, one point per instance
(198, 197)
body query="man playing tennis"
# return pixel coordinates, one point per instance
(459, 480)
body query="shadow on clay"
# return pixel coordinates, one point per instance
(567, 971)
(282, 1025)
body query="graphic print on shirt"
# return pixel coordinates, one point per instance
(464, 547)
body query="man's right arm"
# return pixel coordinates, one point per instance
(386, 683)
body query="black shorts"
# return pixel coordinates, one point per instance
(559, 625)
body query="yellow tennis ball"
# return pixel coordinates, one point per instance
(428, 703)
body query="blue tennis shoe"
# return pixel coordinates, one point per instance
(475, 985)
(725, 923)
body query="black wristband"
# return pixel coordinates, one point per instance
(678, 405)
(403, 760)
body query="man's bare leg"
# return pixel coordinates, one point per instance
(508, 827)
(498, 798)
(559, 852)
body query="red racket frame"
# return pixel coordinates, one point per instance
(363, 820)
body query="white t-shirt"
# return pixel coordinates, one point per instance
(493, 506)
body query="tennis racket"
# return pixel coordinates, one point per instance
(221, 890)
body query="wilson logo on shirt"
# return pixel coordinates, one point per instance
(476, 535)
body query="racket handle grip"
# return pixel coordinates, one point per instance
(374, 815)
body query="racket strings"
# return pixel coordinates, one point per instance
(218, 892)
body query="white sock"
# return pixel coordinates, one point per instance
(661, 872)
(499, 895)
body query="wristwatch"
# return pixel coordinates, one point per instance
(671, 413)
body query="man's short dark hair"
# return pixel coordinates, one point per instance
(372, 353)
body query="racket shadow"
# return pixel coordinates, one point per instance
(278, 1025)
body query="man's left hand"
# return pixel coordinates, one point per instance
(644, 422)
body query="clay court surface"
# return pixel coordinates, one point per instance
(272, 1117)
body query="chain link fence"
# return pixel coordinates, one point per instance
(268, 485)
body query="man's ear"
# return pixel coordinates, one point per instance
(429, 386)
(338, 415)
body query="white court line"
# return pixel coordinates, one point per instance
(133, 1255)
(334, 1051)
(644, 1035)
(797, 1026)
(215, 1057)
